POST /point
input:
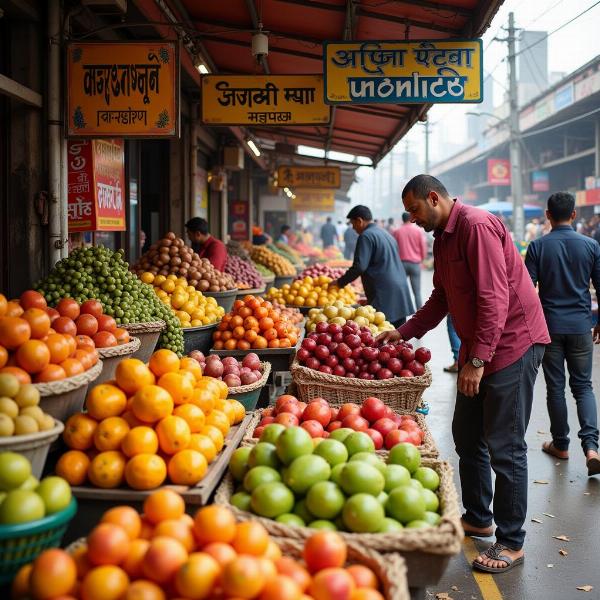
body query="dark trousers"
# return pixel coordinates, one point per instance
(577, 351)
(413, 272)
(453, 337)
(489, 431)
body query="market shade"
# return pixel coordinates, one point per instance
(506, 208)
(297, 29)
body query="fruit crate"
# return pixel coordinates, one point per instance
(248, 394)
(427, 552)
(194, 495)
(399, 393)
(33, 446)
(21, 544)
(224, 299)
(428, 448)
(390, 569)
(198, 338)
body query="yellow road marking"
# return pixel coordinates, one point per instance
(487, 586)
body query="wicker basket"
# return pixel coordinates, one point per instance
(390, 570)
(33, 446)
(445, 539)
(399, 393)
(248, 394)
(63, 398)
(111, 357)
(21, 544)
(148, 334)
(428, 448)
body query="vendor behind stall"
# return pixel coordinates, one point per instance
(377, 262)
(204, 244)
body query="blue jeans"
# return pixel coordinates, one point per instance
(577, 351)
(453, 337)
(489, 433)
(413, 272)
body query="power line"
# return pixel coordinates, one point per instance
(557, 29)
(542, 14)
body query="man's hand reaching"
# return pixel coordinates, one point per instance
(389, 337)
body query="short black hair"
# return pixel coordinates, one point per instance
(329, 219)
(360, 212)
(405, 217)
(561, 205)
(285, 228)
(391, 220)
(422, 185)
(197, 224)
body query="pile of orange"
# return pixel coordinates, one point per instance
(255, 323)
(166, 553)
(40, 343)
(156, 421)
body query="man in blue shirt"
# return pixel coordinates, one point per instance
(377, 263)
(562, 264)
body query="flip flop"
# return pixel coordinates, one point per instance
(549, 448)
(593, 465)
(495, 553)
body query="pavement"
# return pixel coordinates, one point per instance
(563, 501)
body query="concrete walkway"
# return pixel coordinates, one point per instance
(565, 492)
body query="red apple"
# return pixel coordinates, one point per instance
(334, 413)
(334, 425)
(394, 365)
(406, 354)
(321, 327)
(316, 411)
(372, 409)
(423, 355)
(326, 369)
(268, 412)
(321, 352)
(343, 351)
(355, 422)
(287, 419)
(315, 363)
(314, 428)
(309, 344)
(339, 371)
(352, 340)
(303, 355)
(416, 367)
(405, 373)
(266, 421)
(348, 409)
(332, 361)
(376, 437)
(324, 339)
(283, 399)
(384, 426)
(384, 374)
(396, 437)
(292, 408)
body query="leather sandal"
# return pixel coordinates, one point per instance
(593, 466)
(549, 448)
(494, 552)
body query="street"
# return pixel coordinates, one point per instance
(562, 501)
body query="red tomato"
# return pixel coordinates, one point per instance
(53, 314)
(122, 335)
(104, 339)
(32, 299)
(86, 325)
(65, 325)
(106, 323)
(91, 307)
(67, 307)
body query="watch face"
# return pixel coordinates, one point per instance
(477, 362)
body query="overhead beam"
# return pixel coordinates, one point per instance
(13, 89)
(256, 23)
(221, 40)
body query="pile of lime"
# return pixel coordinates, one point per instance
(100, 273)
(264, 271)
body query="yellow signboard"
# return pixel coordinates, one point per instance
(313, 201)
(124, 89)
(308, 177)
(449, 71)
(263, 100)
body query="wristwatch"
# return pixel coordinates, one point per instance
(477, 363)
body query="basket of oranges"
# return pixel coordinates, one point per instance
(148, 334)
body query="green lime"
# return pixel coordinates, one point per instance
(405, 454)
(333, 451)
(272, 499)
(390, 526)
(263, 454)
(241, 500)
(259, 475)
(370, 458)
(361, 478)
(291, 519)
(305, 471)
(292, 443)
(418, 524)
(336, 473)
(271, 432)
(432, 502)
(428, 478)
(405, 504)
(323, 524)
(325, 500)
(395, 476)
(302, 511)
(432, 518)
(363, 514)
(238, 463)
(358, 441)
(340, 434)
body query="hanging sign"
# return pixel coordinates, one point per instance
(498, 171)
(308, 177)
(263, 100)
(125, 89)
(313, 201)
(96, 175)
(239, 220)
(424, 71)
(540, 181)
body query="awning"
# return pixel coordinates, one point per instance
(297, 29)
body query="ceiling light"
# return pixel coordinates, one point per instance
(203, 69)
(253, 147)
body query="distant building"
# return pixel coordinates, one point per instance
(532, 65)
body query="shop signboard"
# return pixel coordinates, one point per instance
(123, 89)
(96, 185)
(313, 201)
(563, 97)
(201, 193)
(540, 181)
(239, 220)
(403, 72)
(309, 177)
(263, 100)
(498, 171)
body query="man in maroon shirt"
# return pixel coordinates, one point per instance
(481, 281)
(204, 244)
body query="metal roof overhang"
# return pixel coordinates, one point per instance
(297, 29)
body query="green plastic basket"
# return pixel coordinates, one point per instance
(21, 544)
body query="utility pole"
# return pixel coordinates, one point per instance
(427, 132)
(516, 175)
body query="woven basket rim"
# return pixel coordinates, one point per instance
(145, 327)
(121, 350)
(69, 384)
(244, 389)
(221, 293)
(7, 442)
(304, 374)
(443, 539)
(243, 292)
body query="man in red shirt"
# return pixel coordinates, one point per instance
(412, 246)
(481, 281)
(204, 244)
